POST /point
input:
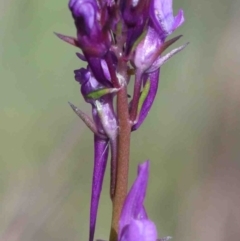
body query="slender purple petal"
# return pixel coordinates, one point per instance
(161, 14)
(105, 70)
(134, 223)
(93, 38)
(154, 80)
(179, 19)
(100, 161)
(135, 14)
(133, 206)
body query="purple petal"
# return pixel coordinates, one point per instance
(93, 38)
(84, 13)
(145, 53)
(100, 161)
(134, 12)
(179, 19)
(132, 35)
(161, 13)
(133, 206)
(105, 70)
(154, 80)
(98, 72)
(139, 230)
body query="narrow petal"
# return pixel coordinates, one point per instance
(161, 13)
(154, 79)
(133, 206)
(178, 20)
(100, 161)
(105, 70)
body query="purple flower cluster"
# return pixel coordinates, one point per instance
(121, 40)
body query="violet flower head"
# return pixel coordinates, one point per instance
(134, 222)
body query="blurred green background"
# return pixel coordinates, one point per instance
(191, 136)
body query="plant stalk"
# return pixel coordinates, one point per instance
(122, 160)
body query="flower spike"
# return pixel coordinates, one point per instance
(120, 39)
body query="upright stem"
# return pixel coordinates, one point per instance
(122, 161)
(123, 143)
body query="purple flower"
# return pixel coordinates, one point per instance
(101, 99)
(162, 23)
(135, 14)
(146, 57)
(134, 222)
(92, 37)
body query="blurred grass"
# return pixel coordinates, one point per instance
(46, 152)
